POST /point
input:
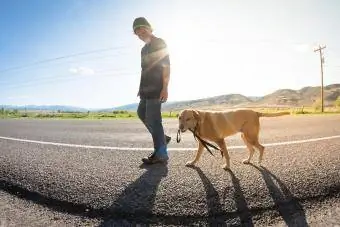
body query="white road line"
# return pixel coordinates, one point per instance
(151, 149)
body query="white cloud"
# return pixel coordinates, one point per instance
(82, 71)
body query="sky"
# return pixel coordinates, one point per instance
(83, 52)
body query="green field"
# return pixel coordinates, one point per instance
(74, 115)
(133, 115)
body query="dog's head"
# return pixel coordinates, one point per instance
(188, 119)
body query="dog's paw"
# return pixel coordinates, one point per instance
(246, 161)
(190, 163)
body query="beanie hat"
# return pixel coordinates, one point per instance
(141, 22)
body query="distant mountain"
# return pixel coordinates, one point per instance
(48, 108)
(305, 96)
(217, 101)
(284, 97)
(254, 98)
(129, 107)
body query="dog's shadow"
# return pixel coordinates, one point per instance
(139, 196)
(217, 216)
(240, 201)
(287, 205)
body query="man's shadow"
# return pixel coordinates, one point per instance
(218, 217)
(137, 198)
(289, 207)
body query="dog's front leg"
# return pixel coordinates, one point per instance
(225, 152)
(197, 156)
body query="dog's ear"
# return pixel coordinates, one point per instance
(196, 115)
(199, 116)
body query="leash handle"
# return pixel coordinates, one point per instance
(178, 138)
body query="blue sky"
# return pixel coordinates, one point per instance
(216, 47)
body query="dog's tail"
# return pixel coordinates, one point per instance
(272, 114)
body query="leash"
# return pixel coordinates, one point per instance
(205, 143)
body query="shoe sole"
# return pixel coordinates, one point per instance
(148, 162)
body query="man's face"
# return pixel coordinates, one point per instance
(143, 34)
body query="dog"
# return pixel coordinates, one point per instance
(215, 126)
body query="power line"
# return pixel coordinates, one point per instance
(59, 58)
(84, 60)
(4, 83)
(67, 78)
(37, 79)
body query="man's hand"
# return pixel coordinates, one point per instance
(164, 95)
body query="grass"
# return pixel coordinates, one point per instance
(77, 115)
(302, 110)
(133, 115)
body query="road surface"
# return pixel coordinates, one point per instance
(88, 171)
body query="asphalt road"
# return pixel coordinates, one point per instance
(107, 185)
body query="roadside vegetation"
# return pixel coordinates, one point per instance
(73, 115)
(14, 113)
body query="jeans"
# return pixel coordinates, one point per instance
(149, 112)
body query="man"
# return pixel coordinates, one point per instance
(153, 88)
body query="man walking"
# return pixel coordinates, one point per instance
(153, 88)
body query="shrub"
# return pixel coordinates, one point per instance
(337, 102)
(317, 105)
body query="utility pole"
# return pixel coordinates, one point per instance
(322, 61)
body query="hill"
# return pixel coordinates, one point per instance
(222, 101)
(284, 97)
(303, 97)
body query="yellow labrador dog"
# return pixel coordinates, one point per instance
(217, 125)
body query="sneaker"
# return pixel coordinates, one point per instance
(160, 155)
(167, 139)
(153, 159)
